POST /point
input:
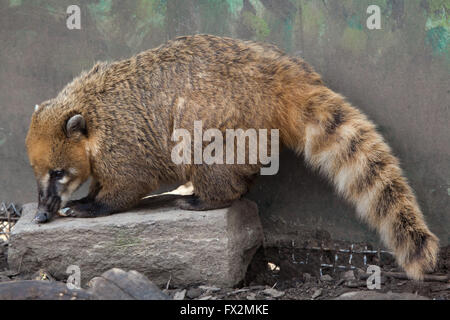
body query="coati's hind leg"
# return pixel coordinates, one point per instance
(193, 202)
(217, 186)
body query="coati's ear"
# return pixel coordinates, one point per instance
(75, 125)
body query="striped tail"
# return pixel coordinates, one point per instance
(341, 143)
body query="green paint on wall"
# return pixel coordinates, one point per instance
(354, 22)
(235, 7)
(103, 6)
(314, 20)
(151, 11)
(437, 5)
(438, 38)
(257, 24)
(438, 26)
(214, 16)
(287, 30)
(15, 3)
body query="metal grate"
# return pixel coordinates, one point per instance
(339, 258)
(9, 214)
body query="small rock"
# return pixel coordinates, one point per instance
(307, 277)
(273, 293)
(371, 295)
(360, 272)
(210, 289)
(349, 275)
(316, 294)
(205, 298)
(251, 296)
(354, 284)
(194, 293)
(238, 291)
(326, 278)
(179, 295)
(117, 284)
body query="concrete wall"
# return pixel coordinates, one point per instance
(399, 76)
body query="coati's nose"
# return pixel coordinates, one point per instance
(41, 217)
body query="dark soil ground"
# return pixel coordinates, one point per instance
(275, 273)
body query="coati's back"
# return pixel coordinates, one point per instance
(122, 116)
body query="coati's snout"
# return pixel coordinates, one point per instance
(49, 196)
(57, 153)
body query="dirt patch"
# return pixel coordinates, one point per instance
(279, 268)
(278, 273)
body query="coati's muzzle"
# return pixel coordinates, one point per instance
(49, 201)
(48, 205)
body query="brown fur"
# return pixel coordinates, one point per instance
(132, 106)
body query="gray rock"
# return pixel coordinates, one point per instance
(355, 284)
(194, 293)
(116, 284)
(273, 293)
(326, 278)
(348, 275)
(40, 290)
(373, 295)
(209, 247)
(317, 293)
(179, 295)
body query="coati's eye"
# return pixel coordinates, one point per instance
(57, 174)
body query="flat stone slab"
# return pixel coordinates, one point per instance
(162, 242)
(373, 295)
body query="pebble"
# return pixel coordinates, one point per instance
(316, 294)
(349, 275)
(273, 293)
(353, 284)
(194, 293)
(180, 295)
(326, 278)
(211, 289)
(251, 296)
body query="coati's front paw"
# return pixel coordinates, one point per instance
(85, 209)
(74, 212)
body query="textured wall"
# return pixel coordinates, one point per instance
(399, 75)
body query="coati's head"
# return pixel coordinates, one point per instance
(56, 143)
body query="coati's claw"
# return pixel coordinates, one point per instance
(72, 212)
(64, 212)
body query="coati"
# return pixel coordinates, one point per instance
(114, 124)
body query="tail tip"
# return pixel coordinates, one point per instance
(423, 259)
